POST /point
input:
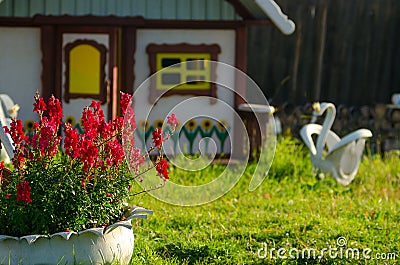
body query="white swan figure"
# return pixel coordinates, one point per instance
(342, 157)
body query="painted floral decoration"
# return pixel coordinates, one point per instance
(62, 180)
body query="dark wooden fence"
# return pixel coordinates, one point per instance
(343, 51)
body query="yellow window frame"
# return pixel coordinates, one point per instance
(84, 70)
(184, 84)
(85, 79)
(183, 71)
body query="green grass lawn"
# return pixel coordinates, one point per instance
(291, 210)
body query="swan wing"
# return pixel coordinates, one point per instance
(5, 139)
(306, 133)
(351, 137)
(308, 130)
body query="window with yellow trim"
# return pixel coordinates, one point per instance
(182, 69)
(85, 70)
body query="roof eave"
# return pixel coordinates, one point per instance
(265, 10)
(275, 13)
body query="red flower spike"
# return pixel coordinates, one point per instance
(95, 105)
(39, 106)
(115, 153)
(171, 120)
(98, 116)
(131, 117)
(162, 169)
(135, 159)
(23, 192)
(90, 124)
(125, 102)
(55, 111)
(157, 137)
(71, 141)
(16, 132)
(20, 141)
(89, 155)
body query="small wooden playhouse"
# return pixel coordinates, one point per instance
(81, 50)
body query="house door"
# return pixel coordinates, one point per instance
(87, 69)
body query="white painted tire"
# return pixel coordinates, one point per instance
(87, 247)
(92, 246)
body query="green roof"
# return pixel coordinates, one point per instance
(150, 9)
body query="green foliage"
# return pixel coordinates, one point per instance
(61, 202)
(291, 159)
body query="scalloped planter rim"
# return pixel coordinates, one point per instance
(92, 246)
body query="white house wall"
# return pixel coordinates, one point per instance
(20, 66)
(218, 111)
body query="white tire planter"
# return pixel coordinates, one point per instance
(92, 246)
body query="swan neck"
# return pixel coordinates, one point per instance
(326, 126)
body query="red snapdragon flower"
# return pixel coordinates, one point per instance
(89, 124)
(125, 102)
(98, 115)
(158, 137)
(89, 155)
(16, 132)
(115, 153)
(172, 120)
(129, 127)
(39, 106)
(20, 140)
(135, 159)
(55, 111)
(162, 169)
(23, 192)
(71, 141)
(46, 139)
(133, 156)
(97, 132)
